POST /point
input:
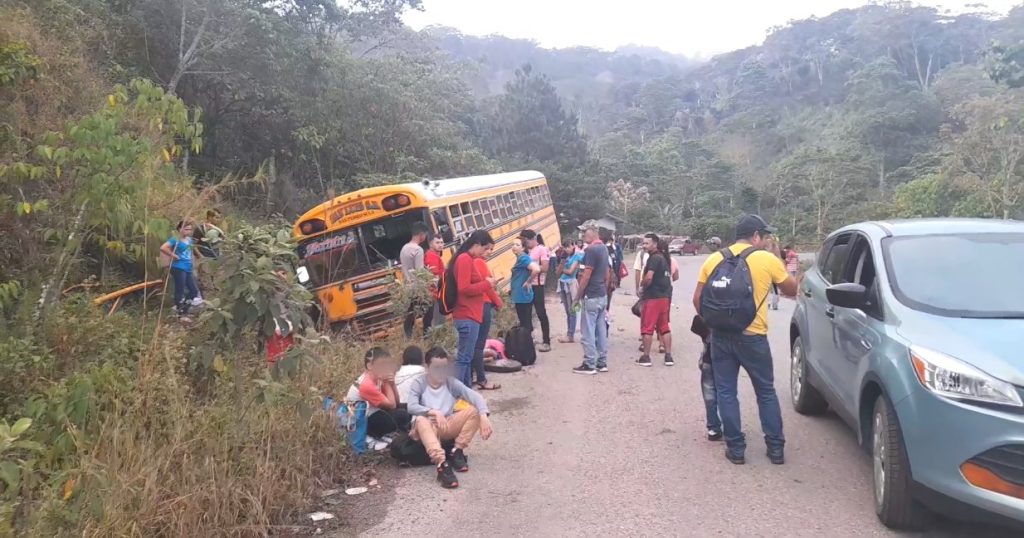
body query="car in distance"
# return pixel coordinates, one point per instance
(912, 332)
(684, 246)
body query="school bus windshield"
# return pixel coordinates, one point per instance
(349, 252)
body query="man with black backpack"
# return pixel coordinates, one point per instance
(731, 297)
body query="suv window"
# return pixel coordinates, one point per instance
(832, 265)
(861, 270)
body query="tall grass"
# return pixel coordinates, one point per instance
(133, 449)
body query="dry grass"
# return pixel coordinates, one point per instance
(236, 465)
(68, 86)
(165, 461)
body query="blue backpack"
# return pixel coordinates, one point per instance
(351, 418)
(727, 301)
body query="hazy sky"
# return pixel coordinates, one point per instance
(694, 27)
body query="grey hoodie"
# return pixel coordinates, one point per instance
(452, 391)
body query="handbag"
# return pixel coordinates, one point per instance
(351, 420)
(623, 271)
(638, 307)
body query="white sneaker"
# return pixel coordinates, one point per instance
(198, 301)
(375, 444)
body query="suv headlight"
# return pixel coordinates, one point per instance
(958, 380)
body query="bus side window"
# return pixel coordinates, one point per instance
(457, 225)
(496, 209)
(468, 221)
(482, 213)
(503, 207)
(443, 226)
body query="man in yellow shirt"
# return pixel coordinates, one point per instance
(748, 348)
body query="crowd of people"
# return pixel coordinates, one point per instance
(432, 399)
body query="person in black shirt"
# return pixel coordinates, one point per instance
(657, 298)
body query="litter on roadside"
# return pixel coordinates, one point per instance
(320, 516)
(355, 491)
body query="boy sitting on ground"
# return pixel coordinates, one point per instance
(432, 399)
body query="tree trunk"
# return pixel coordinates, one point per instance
(59, 272)
(821, 221)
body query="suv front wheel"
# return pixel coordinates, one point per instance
(806, 399)
(894, 503)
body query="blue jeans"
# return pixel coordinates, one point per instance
(481, 339)
(567, 292)
(594, 332)
(468, 331)
(707, 390)
(185, 289)
(728, 353)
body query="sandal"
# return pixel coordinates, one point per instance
(482, 386)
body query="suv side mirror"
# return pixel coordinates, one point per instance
(848, 295)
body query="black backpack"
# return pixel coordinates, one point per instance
(727, 301)
(448, 292)
(519, 346)
(407, 451)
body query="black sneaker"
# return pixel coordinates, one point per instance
(458, 461)
(446, 476)
(668, 360)
(734, 459)
(714, 435)
(777, 457)
(644, 360)
(584, 369)
(603, 369)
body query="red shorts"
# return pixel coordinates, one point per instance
(654, 316)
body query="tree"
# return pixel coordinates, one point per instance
(888, 117)
(625, 196)
(989, 150)
(529, 122)
(830, 180)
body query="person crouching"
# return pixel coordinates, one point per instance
(385, 413)
(432, 401)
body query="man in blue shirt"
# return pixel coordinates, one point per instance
(593, 296)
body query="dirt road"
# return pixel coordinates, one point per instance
(625, 453)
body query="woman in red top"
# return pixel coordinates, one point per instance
(492, 302)
(471, 288)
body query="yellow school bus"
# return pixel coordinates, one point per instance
(349, 245)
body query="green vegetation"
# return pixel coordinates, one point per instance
(118, 118)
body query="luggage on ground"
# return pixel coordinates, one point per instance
(519, 346)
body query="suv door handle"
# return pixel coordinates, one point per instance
(830, 313)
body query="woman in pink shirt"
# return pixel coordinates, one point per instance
(542, 257)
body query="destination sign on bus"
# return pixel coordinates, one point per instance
(330, 243)
(350, 211)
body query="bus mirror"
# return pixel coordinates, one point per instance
(303, 274)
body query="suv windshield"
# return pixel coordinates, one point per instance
(964, 275)
(354, 251)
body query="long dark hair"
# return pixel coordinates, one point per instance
(478, 237)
